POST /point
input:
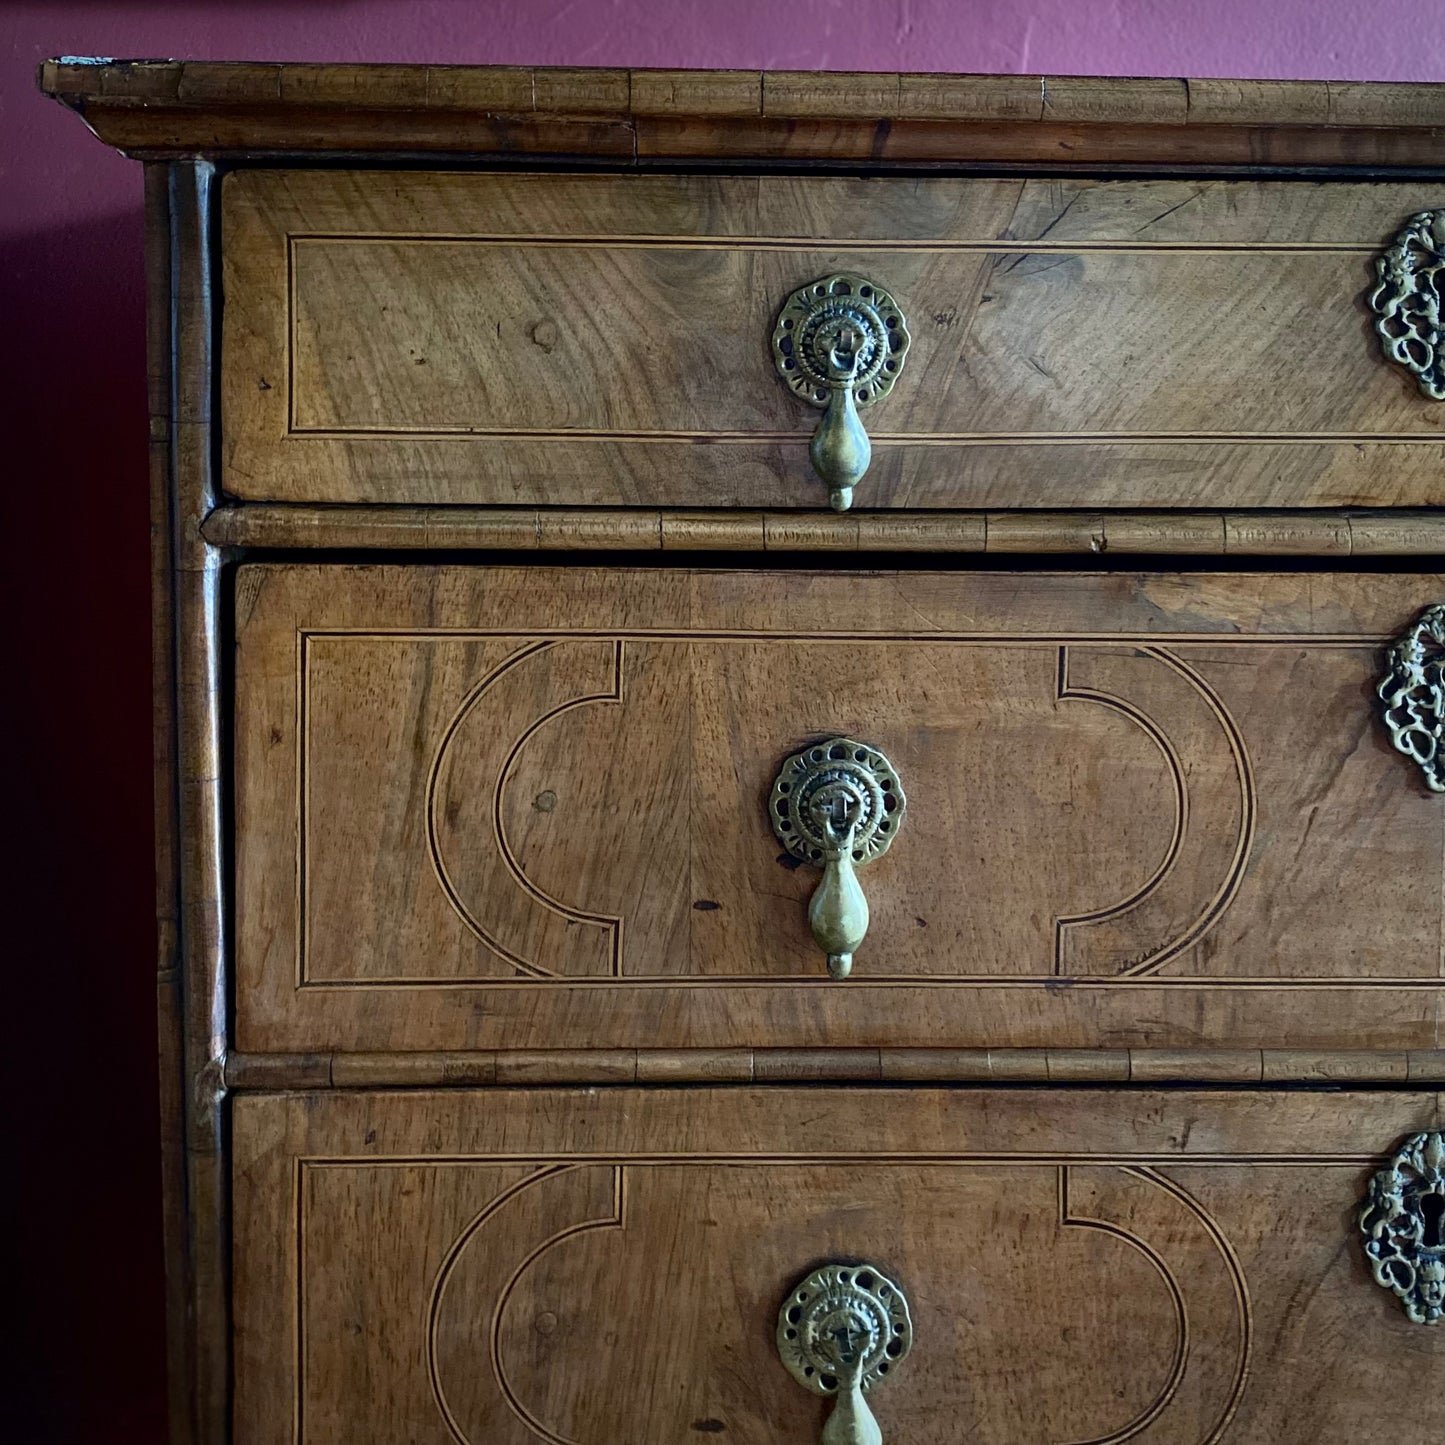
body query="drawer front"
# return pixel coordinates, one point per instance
(533, 808)
(606, 340)
(595, 1267)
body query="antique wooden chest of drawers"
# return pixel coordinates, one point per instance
(799, 752)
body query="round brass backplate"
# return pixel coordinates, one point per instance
(843, 781)
(842, 1318)
(841, 313)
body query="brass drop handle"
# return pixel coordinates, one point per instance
(839, 343)
(837, 805)
(838, 910)
(841, 1332)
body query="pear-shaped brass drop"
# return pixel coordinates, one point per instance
(838, 913)
(840, 450)
(851, 1422)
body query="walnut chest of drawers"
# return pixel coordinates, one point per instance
(799, 752)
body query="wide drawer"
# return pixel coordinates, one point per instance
(600, 339)
(595, 1267)
(487, 808)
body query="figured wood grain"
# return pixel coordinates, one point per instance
(628, 117)
(597, 1266)
(445, 338)
(524, 808)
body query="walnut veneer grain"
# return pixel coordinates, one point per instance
(525, 808)
(601, 341)
(606, 1265)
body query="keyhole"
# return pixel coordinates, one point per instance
(1432, 1208)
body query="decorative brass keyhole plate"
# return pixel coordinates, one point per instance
(837, 805)
(845, 1326)
(839, 343)
(1403, 1221)
(1407, 297)
(1412, 695)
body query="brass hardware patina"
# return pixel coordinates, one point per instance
(840, 1332)
(1406, 300)
(1412, 695)
(837, 805)
(1403, 1221)
(839, 343)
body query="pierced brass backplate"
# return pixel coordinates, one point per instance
(1412, 695)
(841, 1332)
(1406, 300)
(837, 805)
(839, 342)
(1403, 1221)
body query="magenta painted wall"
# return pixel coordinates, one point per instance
(86, 1280)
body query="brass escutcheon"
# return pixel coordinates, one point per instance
(1412, 695)
(1406, 300)
(1403, 1222)
(839, 343)
(837, 805)
(841, 1332)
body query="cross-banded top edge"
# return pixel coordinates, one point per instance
(157, 105)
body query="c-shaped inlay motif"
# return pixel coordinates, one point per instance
(1215, 801)
(606, 806)
(546, 1323)
(542, 680)
(1211, 1367)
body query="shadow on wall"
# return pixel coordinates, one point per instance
(86, 1281)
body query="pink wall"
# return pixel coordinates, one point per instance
(53, 176)
(88, 1265)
